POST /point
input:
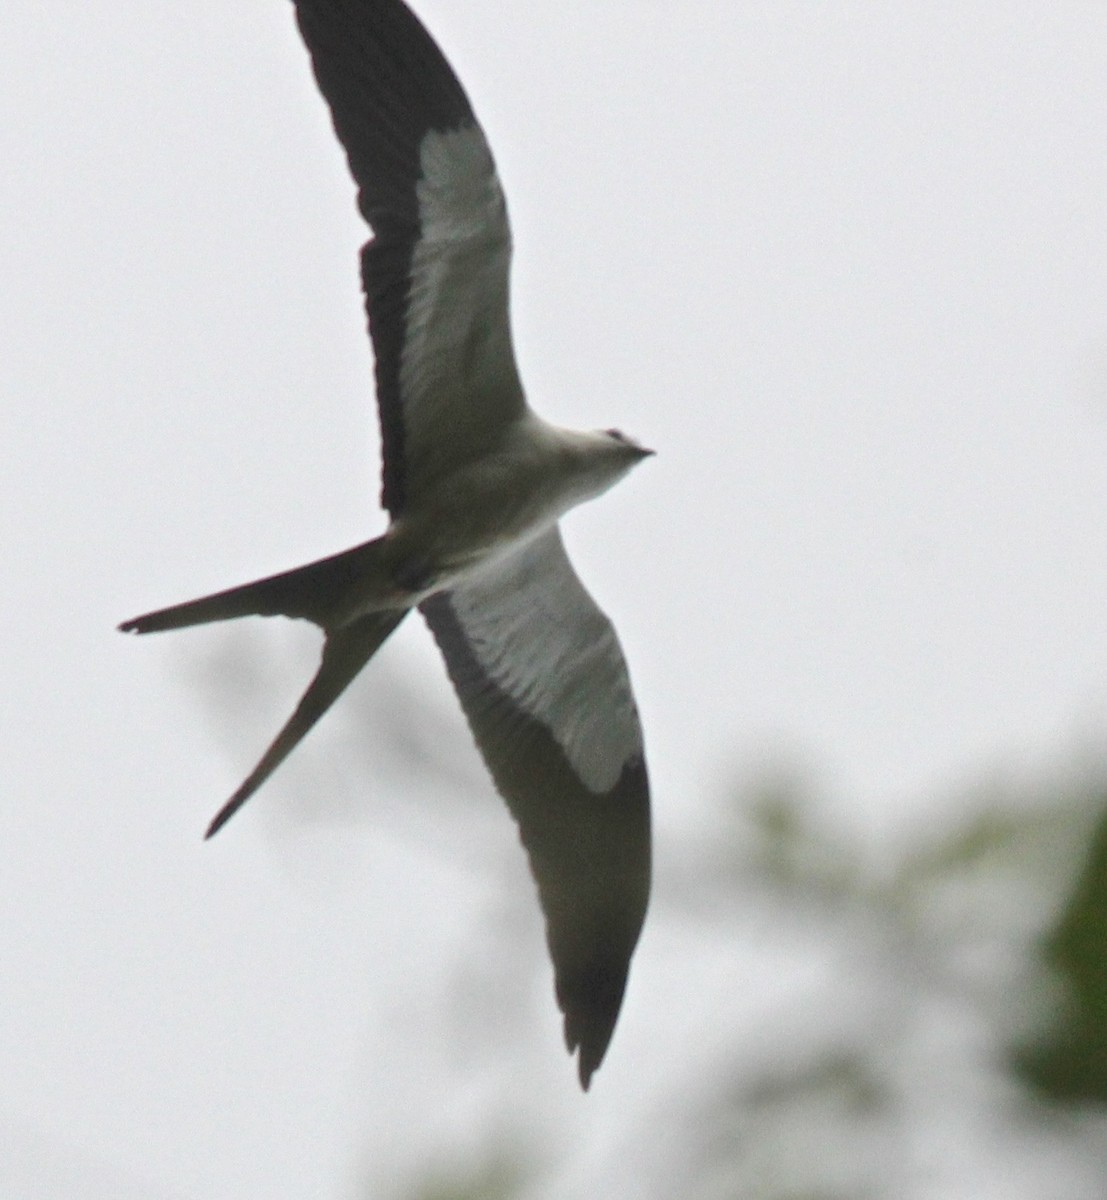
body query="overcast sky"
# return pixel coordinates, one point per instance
(844, 265)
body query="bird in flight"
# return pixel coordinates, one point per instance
(474, 482)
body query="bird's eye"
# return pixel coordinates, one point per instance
(617, 434)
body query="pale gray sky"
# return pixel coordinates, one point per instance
(844, 265)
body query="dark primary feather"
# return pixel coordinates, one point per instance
(387, 85)
(590, 854)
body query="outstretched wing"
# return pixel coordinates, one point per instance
(436, 272)
(544, 685)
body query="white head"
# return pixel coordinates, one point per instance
(600, 459)
(625, 448)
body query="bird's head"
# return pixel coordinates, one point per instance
(601, 458)
(624, 448)
(591, 462)
(613, 453)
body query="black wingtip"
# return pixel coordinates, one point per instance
(585, 1070)
(590, 1052)
(591, 1003)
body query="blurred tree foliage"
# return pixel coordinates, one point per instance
(1068, 1062)
(932, 960)
(497, 1179)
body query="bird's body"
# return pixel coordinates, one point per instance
(475, 484)
(488, 507)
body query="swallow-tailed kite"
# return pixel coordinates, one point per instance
(474, 483)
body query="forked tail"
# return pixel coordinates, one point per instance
(345, 652)
(318, 592)
(328, 592)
